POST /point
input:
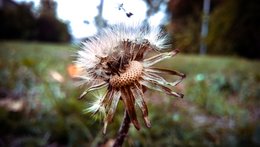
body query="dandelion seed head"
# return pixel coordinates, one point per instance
(117, 59)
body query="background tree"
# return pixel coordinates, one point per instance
(49, 28)
(233, 26)
(185, 23)
(99, 20)
(19, 22)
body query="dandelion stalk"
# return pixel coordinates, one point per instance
(123, 131)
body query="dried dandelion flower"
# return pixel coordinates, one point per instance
(117, 59)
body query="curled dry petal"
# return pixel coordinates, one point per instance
(106, 102)
(128, 100)
(139, 99)
(158, 87)
(94, 87)
(112, 108)
(157, 58)
(165, 71)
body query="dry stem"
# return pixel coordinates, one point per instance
(122, 131)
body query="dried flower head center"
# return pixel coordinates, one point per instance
(131, 74)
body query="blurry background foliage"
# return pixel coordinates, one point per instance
(19, 22)
(39, 105)
(38, 98)
(234, 27)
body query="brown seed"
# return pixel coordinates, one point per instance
(131, 74)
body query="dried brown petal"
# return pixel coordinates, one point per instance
(139, 99)
(128, 100)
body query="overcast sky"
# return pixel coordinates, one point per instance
(78, 11)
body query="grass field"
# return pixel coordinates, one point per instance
(39, 106)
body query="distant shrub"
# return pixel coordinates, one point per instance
(52, 30)
(19, 22)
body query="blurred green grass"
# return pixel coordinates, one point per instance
(39, 106)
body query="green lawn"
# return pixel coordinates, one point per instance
(39, 106)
